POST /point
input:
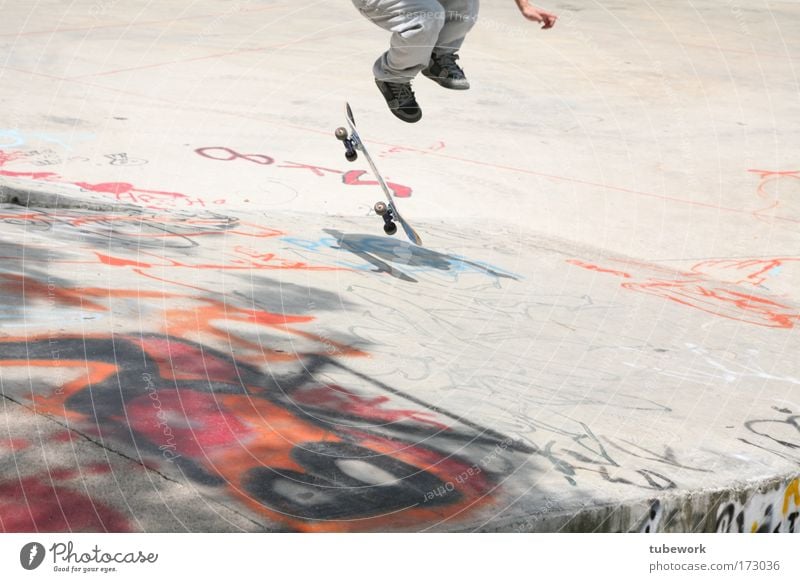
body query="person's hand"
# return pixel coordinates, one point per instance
(537, 15)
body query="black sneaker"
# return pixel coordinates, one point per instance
(400, 99)
(444, 70)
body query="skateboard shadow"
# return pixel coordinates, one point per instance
(385, 254)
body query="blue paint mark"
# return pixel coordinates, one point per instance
(14, 138)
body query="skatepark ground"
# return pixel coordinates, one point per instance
(204, 328)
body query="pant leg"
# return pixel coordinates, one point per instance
(460, 17)
(415, 27)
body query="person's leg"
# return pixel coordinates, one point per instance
(460, 17)
(415, 27)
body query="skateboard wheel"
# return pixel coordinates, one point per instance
(351, 156)
(390, 228)
(380, 208)
(341, 133)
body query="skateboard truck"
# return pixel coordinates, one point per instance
(350, 154)
(385, 211)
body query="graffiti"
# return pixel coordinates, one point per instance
(779, 435)
(154, 246)
(652, 522)
(591, 267)
(350, 178)
(119, 191)
(154, 199)
(587, 454)
(223, 154)
(14, 138)
(122, 159)
(718, 287)
(777, 188)
(353, 178)
(47, 503)
(50, 157)
(137, 230)
(301, 451)
(772, 511)
(435, 147)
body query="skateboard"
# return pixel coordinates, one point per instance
(387, 210)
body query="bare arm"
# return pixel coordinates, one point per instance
(530, 12)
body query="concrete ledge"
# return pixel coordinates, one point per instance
(765, 506)
(32, 194)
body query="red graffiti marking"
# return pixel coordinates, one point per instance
(14, 444)
(155, 199)
(439, 145)
(31, 288)
(199, 423)
(120, 191)
(240, 258)
(591, 267)
(35, 504)
(350, 178)
(116, 262)
(62, 437)
(716, 287)
(741, 272)
(31, 175)
(179, 361)
(353, 178)
(769, 179)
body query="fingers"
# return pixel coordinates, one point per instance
(548, 20)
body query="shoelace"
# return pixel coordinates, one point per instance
(448, 61)
(402, 92)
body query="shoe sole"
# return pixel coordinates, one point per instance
(406, 119)
(441, 82)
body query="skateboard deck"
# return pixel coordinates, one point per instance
(388, 210)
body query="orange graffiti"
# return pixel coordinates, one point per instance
(715, 287)
(792, 494)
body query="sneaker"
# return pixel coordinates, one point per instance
(400, 99)
(444, 70)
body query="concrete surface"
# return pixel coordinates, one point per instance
(203, 328)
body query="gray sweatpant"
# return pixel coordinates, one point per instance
(419, 28)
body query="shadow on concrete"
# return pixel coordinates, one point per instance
(380, 251)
